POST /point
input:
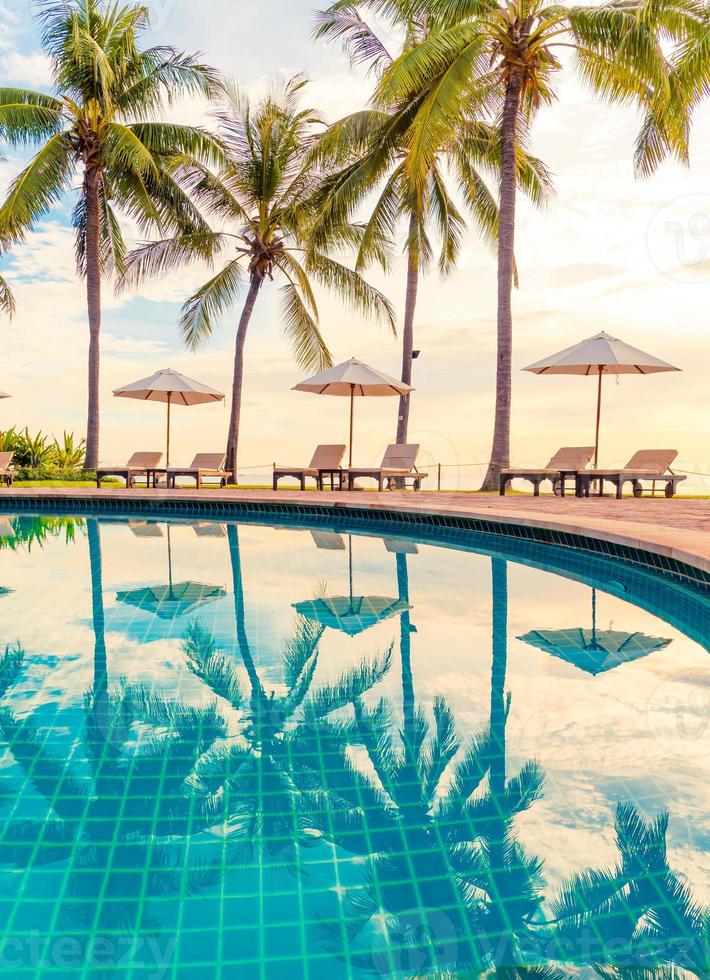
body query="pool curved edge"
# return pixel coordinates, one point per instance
(642, 544)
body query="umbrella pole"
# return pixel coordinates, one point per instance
(350, 568)
(599, 417)
(167, 455)
(352, 421)
(170, 563)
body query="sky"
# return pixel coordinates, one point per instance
(608, 252)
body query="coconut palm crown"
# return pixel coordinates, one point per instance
(100, 126)
(264, 197)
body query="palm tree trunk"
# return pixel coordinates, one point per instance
(499, 825)
(500, 455)
(244, 321)
(405, 650)
(93, 299)
(499, 666)
(100, 686)
(240, 613)
(408, 333)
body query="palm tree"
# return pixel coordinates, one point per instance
(409, 174)
(264, 195)
(504, 56)
(92, 127)
(666, 127)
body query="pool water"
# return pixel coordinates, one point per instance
(280, 751)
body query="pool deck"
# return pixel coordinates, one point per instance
(678, 529)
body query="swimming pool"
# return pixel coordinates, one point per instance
(251, 750)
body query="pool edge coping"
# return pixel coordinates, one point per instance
(627, 535)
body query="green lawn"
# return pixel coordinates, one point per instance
(81, 484)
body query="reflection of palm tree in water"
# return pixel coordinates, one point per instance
(442, 857)
(258, 775)
(454, 887)
(141, 751)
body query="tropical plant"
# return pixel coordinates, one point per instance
(105, 87)
(666, 127)
(41, 456)
(264, 194)
(504, 55)
(379, 153)
(69, 454)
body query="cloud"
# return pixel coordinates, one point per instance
(30, 70)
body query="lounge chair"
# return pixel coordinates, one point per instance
(398, 466)
(564, 464)
(204, 465)
(326, 459)
(647, 466)
(137, 466)
(7, 472)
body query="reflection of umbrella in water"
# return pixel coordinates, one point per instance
(595, 651)
(171, 600)
(349, 614)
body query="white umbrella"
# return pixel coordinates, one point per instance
(354, 379)
(171, 388)
(598, 356)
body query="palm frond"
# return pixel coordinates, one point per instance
(442, 750)
(351, 288)
(125, 151)
(307, 344)
(156, 259)
(28, 117)
(166, 139)
(359, 41)
(7, 300)
(197, 319)
(211, 666)
(37, 188)
(352, 685)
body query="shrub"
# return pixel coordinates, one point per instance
(37, 454)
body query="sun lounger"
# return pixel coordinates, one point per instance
(564, 465)
(137, 466)
(647, 466)
(7, 473)
(398, 465)
(203, 466)
(326, 460)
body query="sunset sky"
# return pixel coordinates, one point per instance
(609, 252)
